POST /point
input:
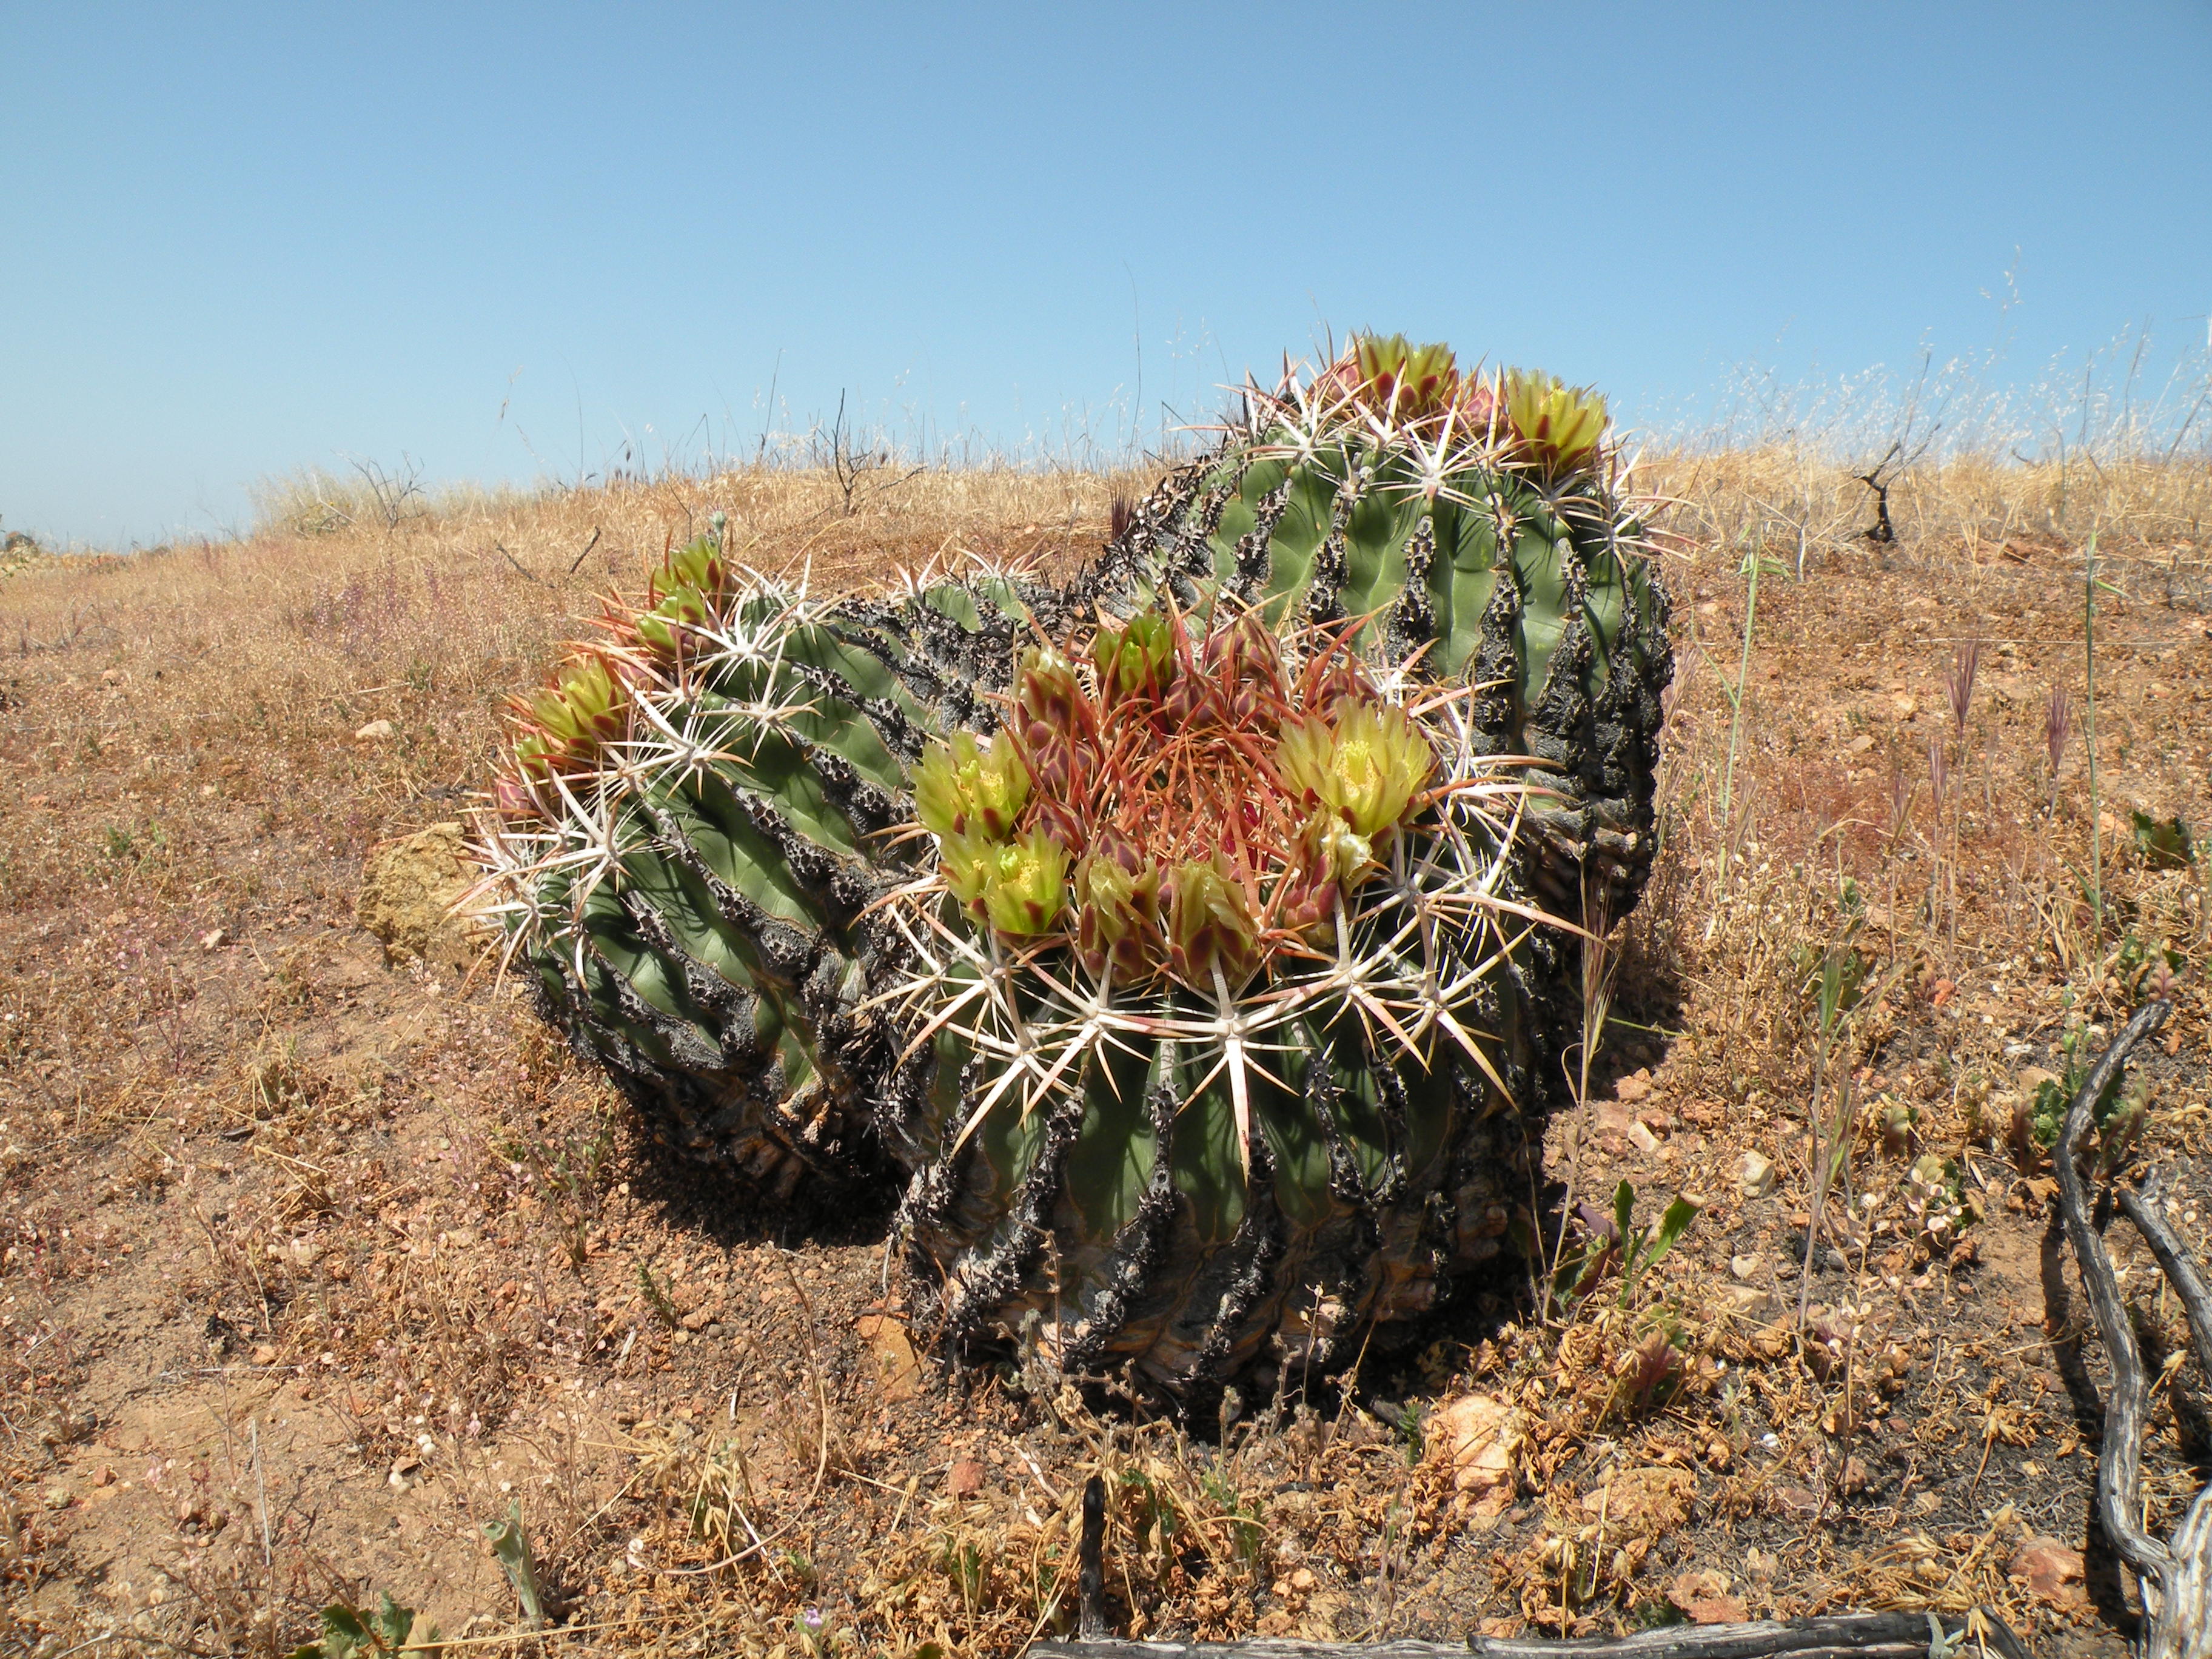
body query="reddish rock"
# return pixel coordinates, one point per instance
(2052, 1571)
(967, 1478)
(1794, 1502)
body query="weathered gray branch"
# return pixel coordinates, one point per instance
(2119, 1466)
(1848, 1636)
(2174, 1260)
(2176, 1575)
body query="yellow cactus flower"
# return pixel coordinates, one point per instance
(1418, 380)
(1025, 883)
(1368, 764)
(1562, 424)
(964, 788)
(584, 707)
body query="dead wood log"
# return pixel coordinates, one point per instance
(1847, 1636)
(2175, 1573)
(1850, 1636)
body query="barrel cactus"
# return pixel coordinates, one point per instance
(1478, 526)
(1213, 996)
(692, 824)
(1189, 933)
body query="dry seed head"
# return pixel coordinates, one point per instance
(1959, 681)
(2058, 727)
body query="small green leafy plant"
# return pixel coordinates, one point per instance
(2118, 1116)
(2162, 844)
(1617, 1242)
(349, 1633)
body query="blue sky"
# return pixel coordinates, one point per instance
(503, 240)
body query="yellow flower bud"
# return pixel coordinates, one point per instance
(964, 788)
(965, 861)
(1210, 920)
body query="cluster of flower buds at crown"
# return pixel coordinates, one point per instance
(1387, 376)
(1052, 723)
(1135, 661)
(1238, 681)
(564, 725)
(1560, 425)
(1383, 381)
(1174, 808)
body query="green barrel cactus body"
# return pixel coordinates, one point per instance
(1121, 1224)
(1289, 1116)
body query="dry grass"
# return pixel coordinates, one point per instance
(312, 1264)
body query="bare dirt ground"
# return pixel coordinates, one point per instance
(315, 1257)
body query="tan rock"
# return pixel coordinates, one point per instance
(1705, 1597)
(2053, 1572)
(376, 731)
(1633, 1087)
(1475, 1436)
(410, 888)
(1756, 1179)
(898, 1366)
(1654, 1500)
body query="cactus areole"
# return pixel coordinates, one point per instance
(1196, 935)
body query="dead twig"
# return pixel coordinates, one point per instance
(523, 570)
